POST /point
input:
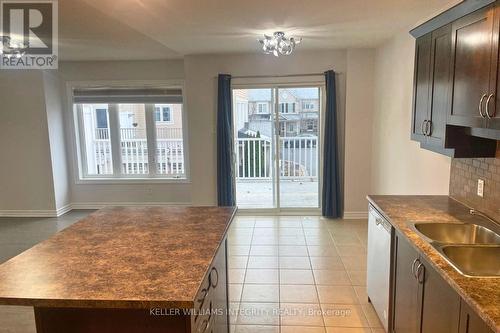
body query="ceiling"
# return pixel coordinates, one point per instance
(164, 29)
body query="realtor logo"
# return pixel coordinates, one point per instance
(28, 34)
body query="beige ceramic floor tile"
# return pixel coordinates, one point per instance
(294, 263)
(236, 275)
(262, 276)
(343, 315)
(349, 238)
(302, 329)
(337, 294)
(358, 278)
(322, 251)
(333, 263)
(291, 231)
(265, 240)
(264, 250)
(301, 314)
(256, 329)
(296, 276)
(237, 261)
(265, 232)
(361, 293)
(371, 316)
(240, 239)
(331, 277)
(354, 263)
(351, 250)
(238, 250)
(347, 330)
(262, 262)
(298, 294)
(293, 251)
(260, 293)
(258, 314)
(235, 292)
(292, 240)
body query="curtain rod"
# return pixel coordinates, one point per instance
(271, 76)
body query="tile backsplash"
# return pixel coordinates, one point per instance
(463, 183)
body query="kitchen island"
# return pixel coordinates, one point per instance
(127, 269)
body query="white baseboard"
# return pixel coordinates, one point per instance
(28, 213)
(355, 215)
(99, 205)
(82, 205)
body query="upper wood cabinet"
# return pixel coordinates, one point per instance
(456, 86)
(473, 68)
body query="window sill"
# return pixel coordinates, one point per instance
(137, 181)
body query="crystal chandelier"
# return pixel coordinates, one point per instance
(12, 48)
(278, 44)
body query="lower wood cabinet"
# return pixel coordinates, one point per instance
(406, 316)
(423, 300)
(470, 322)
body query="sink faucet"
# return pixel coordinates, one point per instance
(483, 215)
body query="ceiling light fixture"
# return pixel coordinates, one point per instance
(278, 44)
(12, 48)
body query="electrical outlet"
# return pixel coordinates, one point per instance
(480, 188)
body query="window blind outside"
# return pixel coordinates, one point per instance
(128, 95)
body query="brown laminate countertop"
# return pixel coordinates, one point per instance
(482, 294)
(121, 257)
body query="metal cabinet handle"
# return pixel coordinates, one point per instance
(481, 104)
(418, 275)
(486, 108)
(428, 128)
(423, 126)
(413, 267)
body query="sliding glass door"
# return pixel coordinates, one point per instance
(277, 147)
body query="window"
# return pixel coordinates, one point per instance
(262, 107)
(308, 106)
(130, 134)
(287, 107)
(163, 113)
(291, 127)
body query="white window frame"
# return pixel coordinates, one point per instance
(265, 107)
(79, 161)
(163, 121)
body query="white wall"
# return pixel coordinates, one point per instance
(359, 123)
(25, 166)
(398, 165)
(87, 195)
(56, 128)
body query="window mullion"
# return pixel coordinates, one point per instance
(151, 138)
(114, 129)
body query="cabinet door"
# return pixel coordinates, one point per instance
(494, 107)
(440, 85)
(470, 322)
(421, 87)
(472, 43)
(406, 289)
(440, 303)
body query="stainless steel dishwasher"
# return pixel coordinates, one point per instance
(380, 235)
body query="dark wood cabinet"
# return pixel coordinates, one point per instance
(420, 293)
(470, 322)
(472, 57)
(431, 88)
(456, 86)
(421, 88)
(406, 313)
(440, 303)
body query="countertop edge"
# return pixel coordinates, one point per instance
(463, 294)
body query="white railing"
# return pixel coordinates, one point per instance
(134, 157)
(139, 133)
(298, 158)
(170, 156)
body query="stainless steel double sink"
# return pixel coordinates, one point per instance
(473, 250)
